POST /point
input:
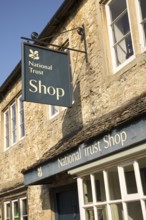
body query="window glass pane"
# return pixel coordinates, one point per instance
(117, 211)
(144, 27)
(142, 166)
(54, 110)
(13, 122)
(22, 130)
(100, 188)
(123, 50)
(120, 28)
(6, 129)
(143, 8)
(129, 47)
(143, 16)
(122, 42)
(87, 190)
(15, 210)
(90, 214)
(116, 8)
(134, 210)
(114, 185)
(7, 211)
(24, 207)
(102, 213)
(21, 118)
(130, 179)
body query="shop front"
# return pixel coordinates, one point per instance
(107, 176)
(114, 187)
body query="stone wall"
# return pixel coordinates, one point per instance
(97, 91)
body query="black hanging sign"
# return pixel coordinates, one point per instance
(46, 76)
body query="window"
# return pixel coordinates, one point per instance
(126, 19)
(21, 117)
(117, 192)
(119, 31)
(16, 209)
(141, 11)
(54, 110)
(6, 128)
(7, 211)
(14, 123)
(23, 209)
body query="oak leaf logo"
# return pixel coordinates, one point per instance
(34, 54)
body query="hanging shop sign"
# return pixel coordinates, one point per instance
(118, 139)
(46, 76)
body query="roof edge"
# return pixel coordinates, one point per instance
(56, 20)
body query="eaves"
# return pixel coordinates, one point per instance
(52, 27)
(133, 109)
(9, 82)
(59, 18)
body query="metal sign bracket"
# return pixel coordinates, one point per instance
(80, 31)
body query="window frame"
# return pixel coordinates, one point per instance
(13, 209)
(21, 127)
(13, 123)
(6, 129)
(5, 211)
(142, 37)
(59, 109)
(21, 208)
(124, 201)
(116, 67)
(21, 216)
(53, 111)
(13, 115)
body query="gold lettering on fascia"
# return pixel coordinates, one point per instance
(69, 159)
(112, 140)
(107, 142)
(36, 86)
(92, 149)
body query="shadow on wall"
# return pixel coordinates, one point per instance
(45, 197)
(72, 121)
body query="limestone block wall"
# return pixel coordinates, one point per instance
(39, 203)
(97, 91)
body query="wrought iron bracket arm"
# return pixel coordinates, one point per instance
(80, 31)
